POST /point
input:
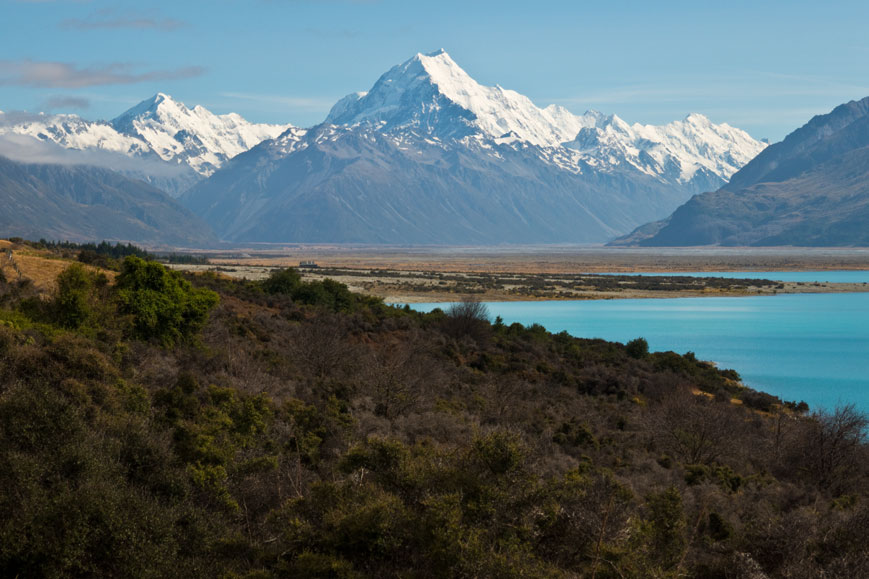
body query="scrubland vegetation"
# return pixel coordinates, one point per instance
(162, 425)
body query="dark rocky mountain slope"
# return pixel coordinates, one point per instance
(80, 203)
(812, 189)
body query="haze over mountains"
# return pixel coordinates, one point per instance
(81, 203)
(428, 155)
(811, 189)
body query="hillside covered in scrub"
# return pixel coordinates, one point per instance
(157, 425)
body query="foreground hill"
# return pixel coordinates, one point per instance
(812, 189)
(293, 429)
(80, 203)
(429, 155)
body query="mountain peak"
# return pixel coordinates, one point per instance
(411, 93)
(697, 119)
(196, 136)
(432, 92)
(148, 107)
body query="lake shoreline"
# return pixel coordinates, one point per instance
(831, 288)
(798, 347)
(442, 285)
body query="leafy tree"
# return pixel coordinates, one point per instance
(638, 348)
(72, 302)
(282, 281)
(163, 305)
(327, 293)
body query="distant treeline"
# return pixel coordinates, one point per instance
(101, 253)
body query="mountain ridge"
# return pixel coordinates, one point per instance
(81, 203)
(159, 130)
(808, 190)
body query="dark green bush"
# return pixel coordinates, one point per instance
(638, 348)
(162, 304)
(282, 281)
(72, 306)
(328, 293)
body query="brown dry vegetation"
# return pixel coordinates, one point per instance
(553, 259)
(39, 266)
(302, 431)
(415, 286)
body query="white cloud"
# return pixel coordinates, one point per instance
(46, 74)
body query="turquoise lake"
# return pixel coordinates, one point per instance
(811, 347)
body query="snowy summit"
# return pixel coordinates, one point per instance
(432, 94)
(157, 127)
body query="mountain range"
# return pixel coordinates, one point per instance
(177, 145)
(811, 189)
(429, 155)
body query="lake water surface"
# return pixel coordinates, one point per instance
(812, 347)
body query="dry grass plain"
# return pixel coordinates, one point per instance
(40, 267)
(425, 274)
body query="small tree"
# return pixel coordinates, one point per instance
(71, 305)
(163, 305)
(468, 317)
(638, 348)
(830, 448)
(282, 281)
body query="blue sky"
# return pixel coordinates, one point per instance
(766, 67)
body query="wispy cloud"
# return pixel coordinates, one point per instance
(27, 149)
(110, 18)
(66, 102)
(44, 74)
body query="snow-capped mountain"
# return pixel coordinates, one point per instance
(72, 132)
(196, 142)
(429, 155)
(680, 151)
(808, 190)
(196, 137)
(432, 94)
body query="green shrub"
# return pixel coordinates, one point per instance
(163, 305)
(638, 348)
(328, 293)
(282, 281)
(71, 305)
